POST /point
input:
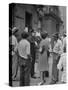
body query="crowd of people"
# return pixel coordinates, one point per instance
(36, 46)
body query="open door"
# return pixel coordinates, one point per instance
(28, 19)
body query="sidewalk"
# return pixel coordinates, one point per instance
(34, 82)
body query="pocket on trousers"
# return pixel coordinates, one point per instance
(22, 62)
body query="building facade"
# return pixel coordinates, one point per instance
(37, 16)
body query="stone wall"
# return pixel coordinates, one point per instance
(63, 17)
(19, 17)
(49, 25)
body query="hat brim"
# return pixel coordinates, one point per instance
(15, 31)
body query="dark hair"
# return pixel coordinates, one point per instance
(64, 49)
(24, 35)
(56, 35)
(64, 35)
(44, 35)
(31, 29)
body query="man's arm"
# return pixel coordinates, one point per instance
(59, 65)
(16, 45)
(28, 49)
(28, 52)
(60, 49)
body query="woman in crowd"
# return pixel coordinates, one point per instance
(43, 59)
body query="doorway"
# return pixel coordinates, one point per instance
(28, 19)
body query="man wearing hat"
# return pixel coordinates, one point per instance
(56, 52)
(13, 50)
(33, 42)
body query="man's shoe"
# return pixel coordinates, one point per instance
(41, 83)
(53, 82)
(34, 77)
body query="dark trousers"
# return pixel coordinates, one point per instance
(32, 69)
(32, 66)
(55, 71)
(25, 73)
(14, 66)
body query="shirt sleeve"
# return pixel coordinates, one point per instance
(28, 49)
(50, 48)
(16, 45)
(59, 65)
(60, 49)
(40, 49)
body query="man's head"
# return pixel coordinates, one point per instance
(64, 34)
(39, 29)
(56, 36)
(24, 35)
(44, 35)
(33, 34)
(26, 29)
(14, 30)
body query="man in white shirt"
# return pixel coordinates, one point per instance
(57, 51)
(38, 32)
(62, 64)
(24, 48)
(13, 51)
(24, 60)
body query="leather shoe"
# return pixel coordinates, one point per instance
(53, 82)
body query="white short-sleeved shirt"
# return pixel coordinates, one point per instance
(58, 47)
(62, 63)
(38, 34)
(24, 48)
(13, 42)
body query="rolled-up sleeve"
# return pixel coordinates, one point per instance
(60, 50)
(28, 49)
(59, 65)
(16, 45)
